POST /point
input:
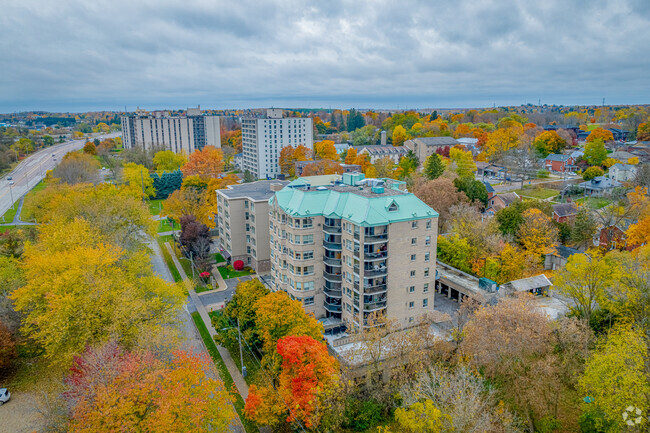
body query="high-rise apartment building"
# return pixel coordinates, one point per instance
(264, 138)
(187, 133)
(346, 246)
(243, 222)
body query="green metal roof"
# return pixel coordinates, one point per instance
(361, 210)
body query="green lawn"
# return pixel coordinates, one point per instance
(228, 272)
(219, 258)
(154, 206)
(538, 193)
(168, 258)
(187, 266)
(594, 202)
(205, 288)
(9, 215)
(224, 374)
(164, 226)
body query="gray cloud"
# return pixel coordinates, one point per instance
(78, 55)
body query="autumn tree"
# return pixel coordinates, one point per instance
(399, 135)
(8, 351)
(549, 142)
(600, 134)
(77, 168)
(501, 140)
(308, 374)
(111, 389)
(90, 148)
(206, 162)
(288, 157)
(615, 377)
(440, 194)
(325, 150)
(137, 178)
(115, 211)
(385, 167)
(363, 160)
(475, 190)
(643, 132)
(537, 234)
(511, 217)
(592, 172)
(166, 160)
(595, 152)
(241, 309)
(584, 228)
(191, 201)
(351, 155)
(322, 166)
(195, 239)
(81, 290)
(433, 166)
(407, 165)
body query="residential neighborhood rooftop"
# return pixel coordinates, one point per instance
(256, 191)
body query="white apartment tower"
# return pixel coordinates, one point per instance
(187, 133)
(264, 138)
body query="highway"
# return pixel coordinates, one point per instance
(32, 169)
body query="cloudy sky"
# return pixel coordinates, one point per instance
(73, 55)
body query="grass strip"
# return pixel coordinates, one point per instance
(224, 374)
(168, 258)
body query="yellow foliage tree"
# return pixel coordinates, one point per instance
(137, 178)
(83, 291)
(464, 161)
(423, 417)
(166, 160)
(325, 150)
(502, 140)
(351, 155)
(537, 234)
(399, 135)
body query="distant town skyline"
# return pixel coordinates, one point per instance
(78, 56)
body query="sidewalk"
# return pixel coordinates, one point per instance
(238, 379)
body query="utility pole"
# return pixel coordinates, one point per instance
(11, 191)
(241, 353)
(142, 177)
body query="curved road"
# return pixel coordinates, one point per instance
(33, 168)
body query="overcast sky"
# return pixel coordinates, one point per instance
(91, 55)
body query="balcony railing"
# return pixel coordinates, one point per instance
(332, 293)
(332, 229)
(379, 272)
(332, 277)
(332, 246)
(332, 308)
(375, 256)
(332, 262)
(371, 290)
(369, 239)
(374, 306)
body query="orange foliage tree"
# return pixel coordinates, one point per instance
(351, 156)
(205, 163)
(308, 377)
(109, 389)
(288, 157)
(323, 166)
(364, 161)
(601, 133)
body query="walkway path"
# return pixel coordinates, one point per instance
(16, 221)
(238, 379)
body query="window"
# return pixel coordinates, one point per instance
(414, 241)
(308, 239)
(413, 273)
(413, 257)
(425, 302)
(307, 255)
(426, 257)
(427, 241)
(308, 301)
(411, 304)
(308, 285)
(307, 223)
(412, 289)
(426, 287)
(428, 224)
(426, 272)
(308, 270)
(414, 224)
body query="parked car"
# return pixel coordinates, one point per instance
(10, 178)
(5, 395)
(11, 182)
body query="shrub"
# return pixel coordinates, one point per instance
(238, 265)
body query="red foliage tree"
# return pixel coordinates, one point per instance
(238, 265)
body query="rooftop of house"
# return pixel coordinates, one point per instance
(530, 283)
(623, 167)
(509, 198)
(256, 191)
(565, 209)
(380, 150)
(365, 202)
(488, 187)
(565, 252)
(558, 157)
(436, 141)
(600, 182)
(621, 155)
(467, 141)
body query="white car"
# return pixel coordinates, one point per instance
(5, 395)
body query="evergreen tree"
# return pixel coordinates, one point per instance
(433, 166)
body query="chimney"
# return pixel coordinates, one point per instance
(276, 187)
(383, 138)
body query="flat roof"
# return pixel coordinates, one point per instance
(256, 191)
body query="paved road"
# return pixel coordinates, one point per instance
(33, 168)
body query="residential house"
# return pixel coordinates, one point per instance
(614, 237)
(622, 172)
(622, 156)
(376, 152)
(560, 163)
(564, 212)
(599, 186)
(425, 146)
(501, 201)
(485, 169)
(559, 257)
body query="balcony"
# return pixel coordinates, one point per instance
(332, 246)
(379, 255)
(374, 306)
(332, 262)
(332, 293)
(335, 278)
(333, 230)
(373, 239)
(371, 290)
(332, 308)
(379, 271)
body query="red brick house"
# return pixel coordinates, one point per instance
(564, 212)
(614, 237)
(560, 163)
